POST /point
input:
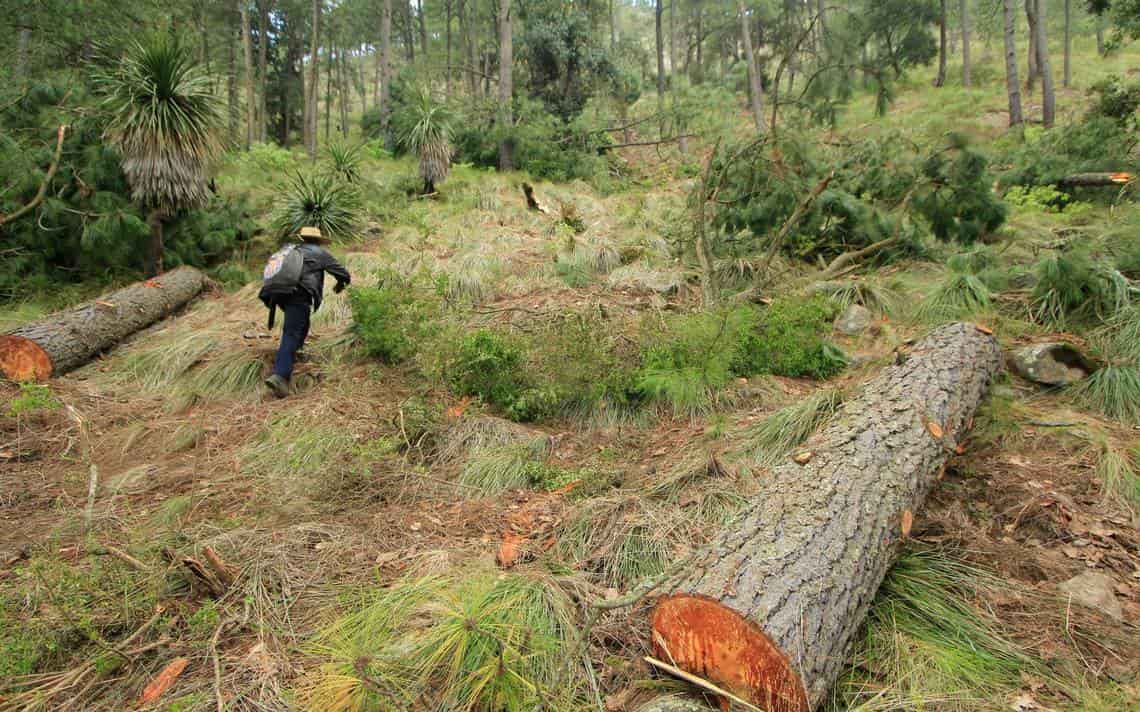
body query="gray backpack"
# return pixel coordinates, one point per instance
(282, 275)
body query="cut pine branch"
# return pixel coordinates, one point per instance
(1095, 180)
(66, 340)
(768, 610)
(42, 192)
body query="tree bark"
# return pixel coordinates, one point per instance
(1095, 180)
(385, 69)
(155, 247)
(328, 87)
(964, 11)
(314, 81)
(23, 39)
(1099, 35)
(231, 85)
(423, 29)
(660, 45)
(1012, 84)
(262, 66)
(447, 45)
(1068, 77)
(1048, 97)
(768, 610)
(66, 340)
(247, 66)
(754, 84)
(940, 79)
(1033, 70)
(506, 85)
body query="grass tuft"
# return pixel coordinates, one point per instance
(159, 366)
(503, 468)
(1118, 470)
(775, 436)
(1112, 391)
(473, 277)
(871, 295)
(958, 296)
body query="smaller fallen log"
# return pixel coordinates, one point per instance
(1095, 180)
(66, 340)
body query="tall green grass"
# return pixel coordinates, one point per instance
(773, 438)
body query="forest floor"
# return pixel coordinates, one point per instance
(362, 478)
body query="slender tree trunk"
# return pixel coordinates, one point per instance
(660, 40)
(231, 84)
(262, 65)
(964, 10)
(1013, 86)
(247, 65)
(345, 94)
(328, 87)
(613, 26)
(406, 31)
(940, 80)
(755, 87)
(23, 39)
(1068, 78)
(155, 248)
(385, 69)
(314, 79)
(1033, 70)
(673, 37)
(1048, 98)
(700, 77)
(1099, 35)
(447, 37)
(467, 24)
(506, 85)
(423, 29)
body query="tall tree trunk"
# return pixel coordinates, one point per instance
(1033, 73)
(231, 83)
(23, 39)
(657, 12)
(314, 80)
(940, 79)
(447, 38)
(423, 29)
(673, 37)
(1099, 35)
(262, 66)
(155, 248)
(1068, 78)
(964, 11)
(328, 87)
(1013, 86)
(345, 93)
(467, 25)
(1048, 98)
(385, 69)
(754, 83)
(613, 26)
(506, 85)
(767, 611)
(247, 65)
(406, 31)
(700, 75)
(63, 341)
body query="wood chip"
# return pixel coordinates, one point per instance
(935, 429)
(163, 681)
(984, 329)
(804, 457)
(907, 523)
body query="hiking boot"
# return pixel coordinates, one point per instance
(278, 385)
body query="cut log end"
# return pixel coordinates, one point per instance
(701, 636)
(23, 359)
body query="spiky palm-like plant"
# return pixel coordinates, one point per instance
(344, 159)
(318, 201)
(429, 136)
(164, 120)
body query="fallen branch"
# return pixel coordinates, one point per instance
(790, 223)
(120, 555)
(42, 192)
(670, 139)
(1095, 180)
(532, 202)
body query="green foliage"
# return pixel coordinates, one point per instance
(390, 318)
(164, 118)
(959, 202)
(1040, 198)
(1118, 469)
(318, 201)
(958, 295)
(774, 437)
(268, 158)
(33, 398)
(1113, 391)
(344, 161)
(428, 134)
(789, 341)
(488, 364)
(1073, 285)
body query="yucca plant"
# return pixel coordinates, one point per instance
(318, 201)
(344, 160)
(429, 137)
(163, 118)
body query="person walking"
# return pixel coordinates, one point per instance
(298, 299)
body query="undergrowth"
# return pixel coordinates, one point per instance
(774, 437)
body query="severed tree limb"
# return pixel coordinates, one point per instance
(669, 139)
(791, 222)
(843, 262)
(42, 192)
(1093, 180)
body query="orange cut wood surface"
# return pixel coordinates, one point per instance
(163, 681)
(23, 360)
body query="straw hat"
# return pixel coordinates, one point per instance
(313, 234)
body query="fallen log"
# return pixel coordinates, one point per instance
(1095, 180)
(66, 340)
(768, 610)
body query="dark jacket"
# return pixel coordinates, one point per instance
(312, 287)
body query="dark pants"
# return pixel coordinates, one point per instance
(293, 333)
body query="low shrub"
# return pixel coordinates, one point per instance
(488, 364)
(789, 341)
(1073, 285)
(389, 318)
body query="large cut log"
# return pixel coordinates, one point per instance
(66, 340)
(768, 610)
(1094, 180)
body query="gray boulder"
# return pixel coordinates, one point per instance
(1051, 364)
(1095, 591)
(854, 320)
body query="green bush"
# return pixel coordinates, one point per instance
(789, 341)
(1073, 285)
(489, 365)
(388, 319)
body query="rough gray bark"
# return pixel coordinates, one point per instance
(1048, 97)
(1034, 71)
(1068, 77)
(66, 340)
(247, 64)
(262, 66)
(940, 78)
(660, 64)
(314, 84)
(768, 610)
(506, 83)
(1013, 87)
(231, 85)
(964, 12)
(755, 87)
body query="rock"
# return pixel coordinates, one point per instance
(1095, 591)
(854, 320)
(1051, 364)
